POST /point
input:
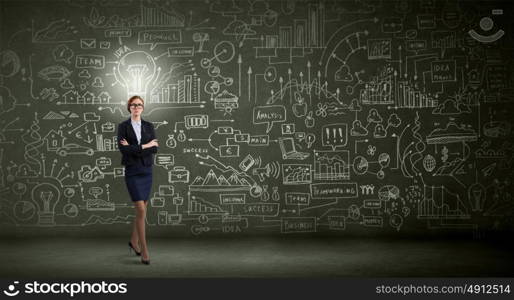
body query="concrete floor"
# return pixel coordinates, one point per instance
(253, 257)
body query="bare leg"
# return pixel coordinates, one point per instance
(134, 238)
(140, 225)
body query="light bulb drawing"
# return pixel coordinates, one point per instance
(476, 196)
(200, 38)
(135, 72)
(310, 139)
(46, 196)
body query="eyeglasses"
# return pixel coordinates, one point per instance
(136, 105)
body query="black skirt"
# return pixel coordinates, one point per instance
(139, 182)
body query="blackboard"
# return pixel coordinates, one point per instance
(272, 116)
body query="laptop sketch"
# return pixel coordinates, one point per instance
(289, 150)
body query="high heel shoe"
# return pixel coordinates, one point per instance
(131, 247)
(145, 262)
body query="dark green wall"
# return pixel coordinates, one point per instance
(345, 117)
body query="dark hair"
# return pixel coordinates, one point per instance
(131, 99)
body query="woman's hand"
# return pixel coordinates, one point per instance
(124, 142)
(150, 144)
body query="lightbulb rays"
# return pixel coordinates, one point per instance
(136, 70)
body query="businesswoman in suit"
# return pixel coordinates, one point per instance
(137, 143)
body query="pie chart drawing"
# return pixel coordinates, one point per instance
(24, 210)
(70, 210)
(19, 188)
(360, 165)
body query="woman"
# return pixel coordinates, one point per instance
(137, 143)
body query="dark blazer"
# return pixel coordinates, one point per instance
(134, 154)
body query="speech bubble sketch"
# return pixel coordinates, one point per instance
(334, 135)
(165, 160)
(269, 114)
(159, 37)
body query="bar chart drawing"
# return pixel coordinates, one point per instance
(186, 90)
(160, 17)
(440, 203)
(200, 206)
(331, 165)
(409, 97)
(305, 33)
(444, 40)
(106, 144)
